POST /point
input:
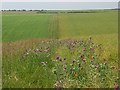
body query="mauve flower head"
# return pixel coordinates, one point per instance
(59, 88)
(116, 87)
(57, 57)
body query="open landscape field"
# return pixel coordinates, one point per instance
(60, 50)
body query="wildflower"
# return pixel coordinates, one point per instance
(82, 56)
(27, 53)
(59, 88)
(112, 67)
(37, 50)
(105, 63)
(84, 60)
(64, 58)
(60, 59)
(84, 49)
(93, 49)
(57, 57)
(43, 63)
(73, 68)
(74, 42)
(96, 66)
(73, 61)
(116, 87)
(53, 60)
(91, 61)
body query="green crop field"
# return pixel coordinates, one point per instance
(63, 50)
(17, 27)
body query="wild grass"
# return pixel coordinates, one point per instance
(53, 63)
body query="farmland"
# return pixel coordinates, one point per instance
(60, 50)
(23, 24)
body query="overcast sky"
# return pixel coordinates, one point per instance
(60, 0)
(59, 5)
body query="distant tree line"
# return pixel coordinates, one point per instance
(22, 10)
(53, 11)
(73, 11)
(60, 11)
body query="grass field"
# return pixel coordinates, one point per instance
(17, 27)
(60, 50)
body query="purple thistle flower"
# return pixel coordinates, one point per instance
(73, 61)
(64, 58)
(60, 59)
(116, 87)
(57, 57)
(82, 56)
(59, 88)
